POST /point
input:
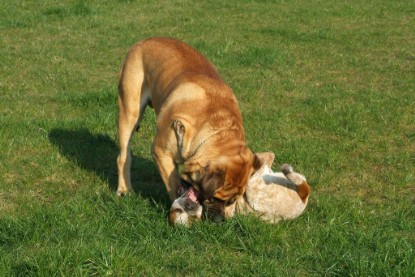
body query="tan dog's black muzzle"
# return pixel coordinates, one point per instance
(214, 210)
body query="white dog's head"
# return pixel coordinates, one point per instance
(185, 209)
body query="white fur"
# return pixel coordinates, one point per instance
(273, 197)
(182, 217)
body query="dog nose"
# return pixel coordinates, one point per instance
(189, 205)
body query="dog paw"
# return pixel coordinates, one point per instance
(122, 193)
(294, 177)
(287, 169)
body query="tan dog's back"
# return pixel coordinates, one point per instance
(173, 64)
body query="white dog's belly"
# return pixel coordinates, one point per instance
(273, 196)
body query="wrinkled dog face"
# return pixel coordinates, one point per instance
(216, 190)
(224, 183)
(218, 185)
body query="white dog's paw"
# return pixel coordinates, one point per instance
(287, 169)
(294, 177)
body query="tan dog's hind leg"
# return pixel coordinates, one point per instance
(126, 125)
(133, 97)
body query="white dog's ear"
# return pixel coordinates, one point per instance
(266, 158)
(257, 163)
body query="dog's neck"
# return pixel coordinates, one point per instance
(216, 137)
(197, 148)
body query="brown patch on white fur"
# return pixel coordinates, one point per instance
(302, 187)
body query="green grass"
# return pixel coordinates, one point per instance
(327, 85)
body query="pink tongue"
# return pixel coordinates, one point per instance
(192, 194)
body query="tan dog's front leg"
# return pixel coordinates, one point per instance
(168, 170)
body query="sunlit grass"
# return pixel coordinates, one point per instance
(328, 86)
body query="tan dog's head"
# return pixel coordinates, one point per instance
(186, 209)
(220, 181)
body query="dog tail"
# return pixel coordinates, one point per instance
(303, 189)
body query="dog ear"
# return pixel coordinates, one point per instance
(227, 192)
(234, 182)
(265, 158)
(257, 164)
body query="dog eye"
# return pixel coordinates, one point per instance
(230, 202)
(189, 206)
(213, 200)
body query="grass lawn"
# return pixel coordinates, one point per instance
(329, 86)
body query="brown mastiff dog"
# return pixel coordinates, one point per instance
(199, 125)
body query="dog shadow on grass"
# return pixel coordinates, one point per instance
(98, 153)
